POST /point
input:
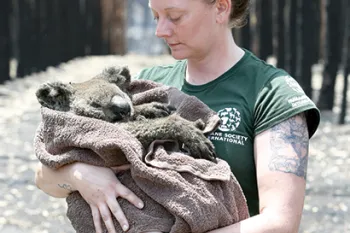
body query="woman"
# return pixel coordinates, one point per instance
(267, 119)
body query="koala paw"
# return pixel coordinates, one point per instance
(194, 142)
(200, 124)
(200, 147)
(152, 110)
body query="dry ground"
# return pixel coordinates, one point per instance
(24, 208)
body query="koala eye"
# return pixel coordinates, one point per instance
(95, 105)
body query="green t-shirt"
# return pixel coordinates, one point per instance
(250, 98)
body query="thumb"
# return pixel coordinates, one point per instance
(121, 168)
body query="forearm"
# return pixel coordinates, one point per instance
(262, 223)
(56, 183)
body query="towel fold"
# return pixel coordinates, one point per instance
(181, 194)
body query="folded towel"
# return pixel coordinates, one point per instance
(181, 194)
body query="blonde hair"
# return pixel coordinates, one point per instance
(239, 12)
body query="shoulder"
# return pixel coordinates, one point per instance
(162, 73)
(260, 69)
(279, 97)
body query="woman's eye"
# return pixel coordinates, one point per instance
(174, 19)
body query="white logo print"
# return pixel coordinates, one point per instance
(230, 119)
(293, 84)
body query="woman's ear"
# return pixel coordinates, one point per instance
(223, 9)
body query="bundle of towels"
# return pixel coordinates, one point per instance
(181, 193)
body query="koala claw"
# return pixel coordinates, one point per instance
(153, 110)
(199, 124)
(200, 147)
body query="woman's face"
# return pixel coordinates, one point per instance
(188, 26)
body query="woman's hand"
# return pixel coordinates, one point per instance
(100, 189)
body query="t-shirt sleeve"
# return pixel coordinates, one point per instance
(144, 74)
(169, 75)
(157, 74)
(281, 98)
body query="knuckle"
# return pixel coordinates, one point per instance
(116, 211)
(105, 217)
(95, 215)
(125, 192)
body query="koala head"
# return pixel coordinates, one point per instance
(103, 97)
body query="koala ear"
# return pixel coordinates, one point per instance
(118, 75)
(124, 71)
(55, 95)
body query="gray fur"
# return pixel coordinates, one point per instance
(105, 97)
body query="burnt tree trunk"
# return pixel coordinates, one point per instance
(346, 61)
(93, 28)
(27, 60)
(314, 9)
(306, 43)
(71, 29)
(113, 26)
(334, 43)
(287, 35)
(5, 38)
(117, 28)
(290, 33)
(47, 33)
(298, 42)
(323, 23)
(278, 31)
(254, 26)
(242, 35)
(265, 30)
(245, 35)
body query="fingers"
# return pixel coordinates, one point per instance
(107, 218)
(96, 218)
(121, 168)
(127, 194)
(118, 213)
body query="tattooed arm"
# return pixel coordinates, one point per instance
(281, 155)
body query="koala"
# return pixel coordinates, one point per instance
(106, 97)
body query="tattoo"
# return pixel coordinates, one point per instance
(290, 133)
(65, 186)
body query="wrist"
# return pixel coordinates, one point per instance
(74, 177)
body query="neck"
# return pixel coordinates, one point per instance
(217, 61)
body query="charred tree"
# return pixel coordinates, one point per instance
(47, 33)
(93, 28)
(290, 33)
(278, 27)
(346, 61)
(265, 29)
(306, 43)
(334, 37)
(254, 25)
(245, 35)
(5, 37)
(28, 46)
(71, 28)
(113, 26)
(242, 35)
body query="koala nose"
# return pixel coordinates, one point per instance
(120, 107)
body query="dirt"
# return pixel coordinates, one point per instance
(24, 208)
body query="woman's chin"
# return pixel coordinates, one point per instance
(179, 55)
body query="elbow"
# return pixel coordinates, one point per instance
(282, 222)
(38, 176)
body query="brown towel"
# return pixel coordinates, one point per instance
(181, 194)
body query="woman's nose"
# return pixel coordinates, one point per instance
(163, 29)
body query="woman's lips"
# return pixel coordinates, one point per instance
(173, 45)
